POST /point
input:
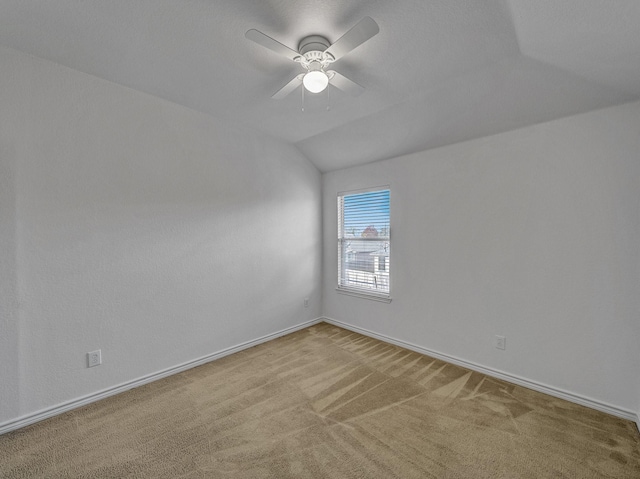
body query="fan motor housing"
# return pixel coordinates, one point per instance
(313, 43)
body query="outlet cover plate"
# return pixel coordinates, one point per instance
(501, 342)
(94, 358)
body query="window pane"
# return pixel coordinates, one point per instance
(364, 241)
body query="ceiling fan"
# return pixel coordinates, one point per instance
(315, 54)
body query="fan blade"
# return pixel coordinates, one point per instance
(360, 33)
(288, 88)
(343, 83)
(273, 45)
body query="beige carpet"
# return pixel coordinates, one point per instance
(325, 402)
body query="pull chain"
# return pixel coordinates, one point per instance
(328, 99)
(328, 107)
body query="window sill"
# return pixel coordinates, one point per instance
(363, 295)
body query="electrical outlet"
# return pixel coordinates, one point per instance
(306, 302)
(501, 342)
(94, 358)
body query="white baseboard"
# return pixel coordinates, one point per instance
(527, 383)
(37, 416)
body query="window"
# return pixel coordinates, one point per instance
(364, 243)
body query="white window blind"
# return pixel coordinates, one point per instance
(364, 242)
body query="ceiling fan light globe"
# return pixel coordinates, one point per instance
(315, 81)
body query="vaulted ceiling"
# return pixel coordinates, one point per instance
(439, 72)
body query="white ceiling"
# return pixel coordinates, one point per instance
(439, 72)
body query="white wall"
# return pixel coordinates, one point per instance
(133, 225)
(637, 378)
(9, 334)
(532, 234)
(638, 408)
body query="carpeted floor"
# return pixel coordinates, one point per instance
(325, 402)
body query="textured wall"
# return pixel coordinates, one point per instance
(145, 229)
(531, 234)
(9, 333)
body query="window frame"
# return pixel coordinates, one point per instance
(341, 239)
